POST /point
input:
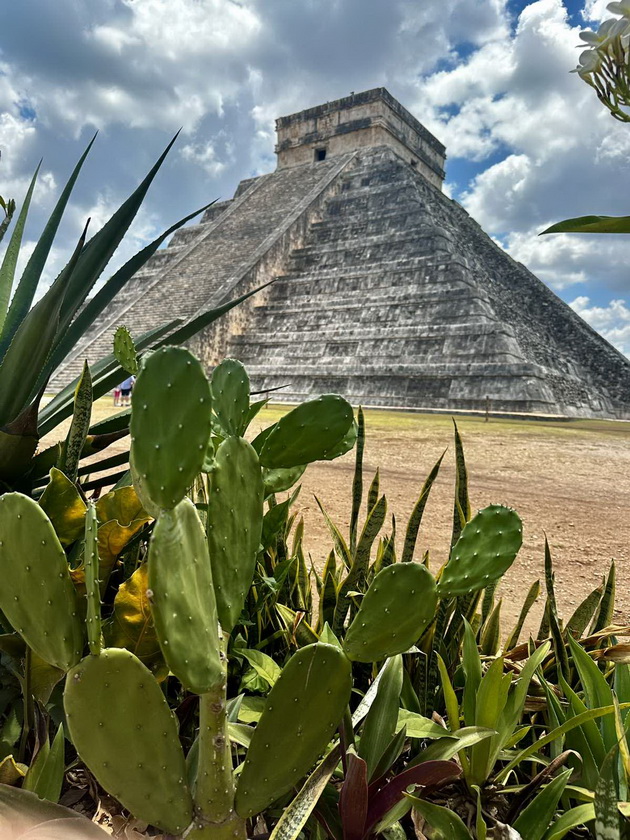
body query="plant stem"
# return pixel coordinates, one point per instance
(214, 793)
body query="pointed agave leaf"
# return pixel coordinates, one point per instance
(50, 769)
(7, 269)
(296, 814)
(415, 519)
(576, 625)
(106, 294)
(591, 224)
(607, 605)
(528, 603)
(75, 440)
(30, 345)
(27, 286)
(357, 480)
(461, 506)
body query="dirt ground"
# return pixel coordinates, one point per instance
(570, 480)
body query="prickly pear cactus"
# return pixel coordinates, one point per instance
(277, 481)
(182, 598)
(37, 594)
(125, 350)
(398, 606)
(235, 515)
(230, 396)
(311, 432)
(303, 709)
(92, 583)
(483, 553)
(123, 729)
(170, 427)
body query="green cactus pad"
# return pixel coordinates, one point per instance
(37, 594)
(170, 427)
(230, 396)
(276, 481)
(121, 725)
(483, 553)
(311, 432)
(125, 350)
(398, 606)
(92, 583)
(303, 709)
(182, 601)
(235, 515)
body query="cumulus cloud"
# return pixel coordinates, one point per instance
(612, 321)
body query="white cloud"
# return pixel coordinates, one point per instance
(612, 321)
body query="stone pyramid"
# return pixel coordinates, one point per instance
(386, 291)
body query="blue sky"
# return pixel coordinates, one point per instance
(527, 142)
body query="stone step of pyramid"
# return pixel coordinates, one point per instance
(214, 260)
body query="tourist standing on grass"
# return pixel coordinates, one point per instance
(126, 388)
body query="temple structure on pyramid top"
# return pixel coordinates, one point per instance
(385, 291)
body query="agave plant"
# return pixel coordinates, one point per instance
(34, 339)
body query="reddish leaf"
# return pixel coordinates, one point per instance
(353, 800)
(426, 774)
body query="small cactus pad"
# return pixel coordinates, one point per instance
(182, 598)
(123, 729)
(311, 432)
(277, 481)
(92, 583)
(235, 515)
(230, 396)
(398, 606)
(170, 426)
(37, 594)
(125, 350)
(302, 712)
(485, 550)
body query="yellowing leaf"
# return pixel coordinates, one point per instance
(121, 504)
(132, 623)
(44, 678)
(10, 771)
(64, 507)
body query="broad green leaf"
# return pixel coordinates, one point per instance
(571, 819)
(443, 820)
(597, 692)
(591, 224)
(533, 822)
(264, 665)
(453, 743)
(380, 722)
(557, 732)
(419, 726)
(49, 778)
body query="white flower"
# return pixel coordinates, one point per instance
(590, 62)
